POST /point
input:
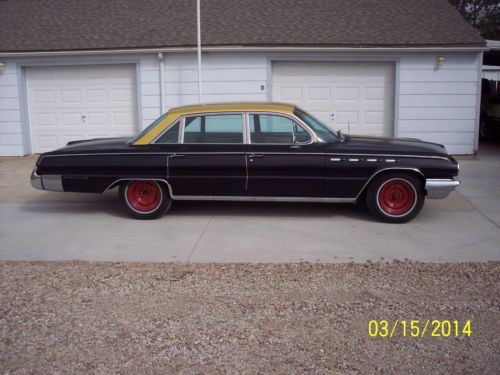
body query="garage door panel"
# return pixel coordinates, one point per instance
(76, 102)
(376, 93)
(45, 119)
(351, 96)
(96, 96)
(319, 93)
(70, 120)
(348, 93)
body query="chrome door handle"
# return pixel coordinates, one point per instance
(173, 156)
(251, 156)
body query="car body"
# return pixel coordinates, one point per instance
(251, 152)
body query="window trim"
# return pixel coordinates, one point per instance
(169, 127)
(312, 135)
(240, 113)
(246, 128)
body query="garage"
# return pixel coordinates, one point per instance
(356, 97)
(67, 103)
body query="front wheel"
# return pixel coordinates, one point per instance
(395, 198)
(145, 199)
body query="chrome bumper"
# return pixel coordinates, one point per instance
(50, 182)
(440, 188)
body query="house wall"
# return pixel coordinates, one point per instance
(437, 104)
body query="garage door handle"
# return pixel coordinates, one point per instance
(173, 156)
(251, 156)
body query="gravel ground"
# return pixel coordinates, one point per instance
(77, 317)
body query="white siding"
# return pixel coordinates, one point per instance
(11, 138)
(433, 103)
(438, 104)
(226, 77)
(149, 89)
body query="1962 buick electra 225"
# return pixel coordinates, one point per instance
(251, 152)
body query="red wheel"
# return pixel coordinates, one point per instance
(144, 196)
(396, 197)
(145, 199)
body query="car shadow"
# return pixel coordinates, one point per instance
(109, 203)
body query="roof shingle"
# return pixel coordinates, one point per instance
(58, 25)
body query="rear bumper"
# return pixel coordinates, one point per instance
(46, 182)
(440, 188)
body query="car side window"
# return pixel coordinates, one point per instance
(171, 135)
(266, 128)
(214, 129)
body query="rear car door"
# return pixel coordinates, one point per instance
(282, 159)
(209, 160)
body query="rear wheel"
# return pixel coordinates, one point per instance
(145, 199)
(395, 198)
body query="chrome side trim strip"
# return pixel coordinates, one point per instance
(260, 199)
(390, 156)
(242, 152)
(440, 188)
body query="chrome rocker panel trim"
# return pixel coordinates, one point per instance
(440, 188)
(50, 182)
(260, 199)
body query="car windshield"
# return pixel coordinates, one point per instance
(322, 131)
(151, 126)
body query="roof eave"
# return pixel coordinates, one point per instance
(235, 48)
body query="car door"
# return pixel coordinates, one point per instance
(209, 159)
(282, 159)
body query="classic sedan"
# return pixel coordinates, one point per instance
(251, 152)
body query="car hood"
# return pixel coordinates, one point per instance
(396, 146)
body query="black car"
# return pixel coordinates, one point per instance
(251, 152)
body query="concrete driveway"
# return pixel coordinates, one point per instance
(37, 225)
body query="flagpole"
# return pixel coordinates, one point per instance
(198, 26)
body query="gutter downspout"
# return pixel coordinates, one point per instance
(478, 101)
(198, 29)
(162, 83)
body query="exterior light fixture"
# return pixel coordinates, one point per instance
(439, 61)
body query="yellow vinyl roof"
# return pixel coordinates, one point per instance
(174, 113)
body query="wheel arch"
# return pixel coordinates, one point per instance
(119, 181)
(405, 170)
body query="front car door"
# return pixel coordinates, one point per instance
(282, 159)
(209, 157)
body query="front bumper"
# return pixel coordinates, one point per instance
(440, 188)
(46, 182)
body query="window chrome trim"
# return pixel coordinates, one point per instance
(312, 134)
(215, 113)
(168, 127)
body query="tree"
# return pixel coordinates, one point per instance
(483, 15)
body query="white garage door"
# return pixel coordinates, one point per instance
(356, 97)
(68, 103)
